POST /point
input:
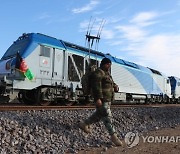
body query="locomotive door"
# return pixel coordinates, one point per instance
(58, 64)
(45, 64)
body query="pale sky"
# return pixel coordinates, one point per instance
(146, 32)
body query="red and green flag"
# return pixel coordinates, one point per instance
(22, 67)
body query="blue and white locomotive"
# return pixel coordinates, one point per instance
(58, 66)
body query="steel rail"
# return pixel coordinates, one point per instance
(21, 107)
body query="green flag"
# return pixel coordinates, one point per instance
(29, 74)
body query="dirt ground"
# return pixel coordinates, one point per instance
(162, 141)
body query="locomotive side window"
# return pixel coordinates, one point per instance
(87, 65)
(93, 62)
(72, 74)
(178, 83)
(44, 51)
(79, 61)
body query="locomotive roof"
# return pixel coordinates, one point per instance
(68, 45)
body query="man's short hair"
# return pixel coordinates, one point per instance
(105, 61)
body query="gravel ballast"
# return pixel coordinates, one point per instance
(56, 131)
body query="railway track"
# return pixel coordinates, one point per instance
(20, 107)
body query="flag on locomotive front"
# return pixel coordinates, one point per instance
(22, 67)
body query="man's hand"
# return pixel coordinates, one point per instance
(99, 103)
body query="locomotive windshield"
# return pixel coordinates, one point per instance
(17, 46)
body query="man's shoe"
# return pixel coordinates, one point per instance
(84, 127)
(116, 140)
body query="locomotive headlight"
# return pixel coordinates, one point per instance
(12, 71)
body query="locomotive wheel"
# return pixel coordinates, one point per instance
(27, 97)
(44, 103)
(69, 103)
(41, 98)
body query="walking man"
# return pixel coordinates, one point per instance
(103, 89)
